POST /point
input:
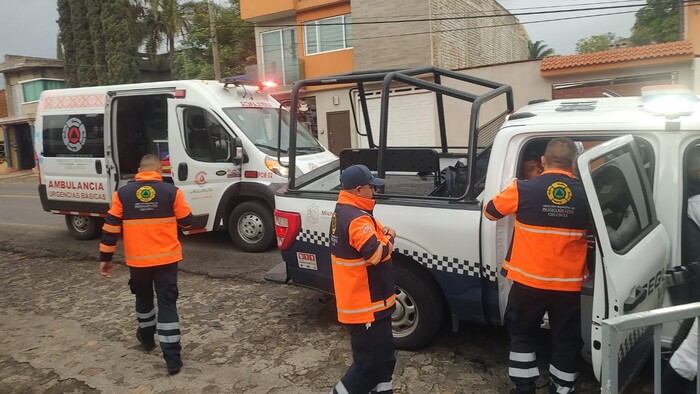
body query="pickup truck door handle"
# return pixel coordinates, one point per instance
(98, 166)
(182, 172)
(635, 298)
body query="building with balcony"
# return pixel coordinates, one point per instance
(300, 39)
(25, 79)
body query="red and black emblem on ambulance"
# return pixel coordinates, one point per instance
(74, 134)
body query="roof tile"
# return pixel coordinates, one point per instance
(618, 55)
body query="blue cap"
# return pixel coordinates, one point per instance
(358, 175)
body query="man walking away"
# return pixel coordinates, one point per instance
(547, 264)
(148, 212)
(363, 279)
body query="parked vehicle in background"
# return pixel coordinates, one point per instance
(217, 142)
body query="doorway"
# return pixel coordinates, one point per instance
(25, 148)
(338, 131)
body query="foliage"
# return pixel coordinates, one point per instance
(161, 22)
(82, 41)
(658, 21)
(118, 24)
(66, 37)
(98, 40)
(596, 43)
(236, 41)
(538, 50)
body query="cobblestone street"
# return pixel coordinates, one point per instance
(65, 329)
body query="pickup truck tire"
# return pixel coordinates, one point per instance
(251, 226)
(419, 307)
(83, 227)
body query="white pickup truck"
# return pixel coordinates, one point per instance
(447, 258)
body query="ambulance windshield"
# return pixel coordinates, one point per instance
(259, 124)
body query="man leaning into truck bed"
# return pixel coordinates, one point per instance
(547, 264)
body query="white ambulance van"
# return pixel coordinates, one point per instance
(217, 141)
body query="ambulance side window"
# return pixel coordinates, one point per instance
(623, 199)
(73, 136)
(205, 138)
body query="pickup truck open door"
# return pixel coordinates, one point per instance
(632, 251)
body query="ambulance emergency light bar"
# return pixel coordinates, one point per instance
(242, 80)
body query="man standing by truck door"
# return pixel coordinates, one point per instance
(149, 211)
(363, 278)
(547, 264)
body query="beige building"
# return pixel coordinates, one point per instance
(315, 38)
(25, 79)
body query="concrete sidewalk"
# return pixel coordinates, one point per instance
(20, 175)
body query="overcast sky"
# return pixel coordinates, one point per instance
(29, 26)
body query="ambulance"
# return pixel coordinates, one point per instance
(218, 141)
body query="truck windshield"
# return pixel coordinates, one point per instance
(260, 126)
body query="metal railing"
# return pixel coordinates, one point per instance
(656, 318)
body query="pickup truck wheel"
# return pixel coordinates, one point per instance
(419, 307)
(251, 226)
(83, 227)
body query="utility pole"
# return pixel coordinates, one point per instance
(214, 42)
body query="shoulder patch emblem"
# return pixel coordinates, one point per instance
(145, 193)
(367, 229)
(559, 193)
(334, 222)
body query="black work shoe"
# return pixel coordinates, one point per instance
(174, 368)
(146, 345)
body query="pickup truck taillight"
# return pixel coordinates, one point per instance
(287, 226)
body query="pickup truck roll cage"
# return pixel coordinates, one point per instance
(410, 77)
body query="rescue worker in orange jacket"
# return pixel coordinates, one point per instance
(547, 264)
(148, 212)
(363, 279)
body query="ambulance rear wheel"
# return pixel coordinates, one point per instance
(252, 227)
(83, 227)
(419, 306)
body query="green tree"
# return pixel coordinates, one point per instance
(161, 22)
(99, 41)
(538, 49)
(121, 44)
(94, 15)
(66, 36)
(236, 38)
(658, 21)
(596, 43)
(84, 55)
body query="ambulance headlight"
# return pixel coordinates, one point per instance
(275, 167)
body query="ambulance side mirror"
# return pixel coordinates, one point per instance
(238, 153)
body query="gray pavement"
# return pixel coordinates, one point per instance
(63, 328)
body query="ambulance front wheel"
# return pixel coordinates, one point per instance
(252, 227)
(84, 227)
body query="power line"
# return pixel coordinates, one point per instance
(466, 28)
(517, 9)
(507, 14)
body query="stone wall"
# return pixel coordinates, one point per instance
(475, 40)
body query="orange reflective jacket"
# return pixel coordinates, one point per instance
(149, 211)
(549, 247)
(363, 276)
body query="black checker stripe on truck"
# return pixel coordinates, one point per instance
(313, 237)
(630, 341)
(440, 263)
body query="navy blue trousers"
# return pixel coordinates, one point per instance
(165, 320)
(373, 358)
